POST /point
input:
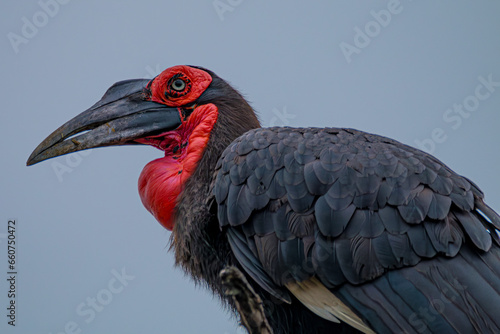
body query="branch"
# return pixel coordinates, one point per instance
(248, 303)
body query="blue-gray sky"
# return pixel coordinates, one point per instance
(417, 71)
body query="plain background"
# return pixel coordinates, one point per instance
(75, 228)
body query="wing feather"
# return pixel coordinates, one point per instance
(316, 210)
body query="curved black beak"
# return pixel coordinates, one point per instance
(122, 115)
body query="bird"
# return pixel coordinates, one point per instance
(336, 229)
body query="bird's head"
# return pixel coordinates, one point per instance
(185, 111)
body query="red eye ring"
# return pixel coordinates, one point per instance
(161, 88)
(175, 92)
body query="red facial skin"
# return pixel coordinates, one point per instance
(162, 180)
(196, 81)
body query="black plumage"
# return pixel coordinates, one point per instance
(364, 205)
(337, 230)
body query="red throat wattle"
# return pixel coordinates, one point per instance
(162, 180)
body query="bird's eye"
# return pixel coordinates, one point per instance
(178, 85)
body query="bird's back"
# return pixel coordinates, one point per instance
(397, 236)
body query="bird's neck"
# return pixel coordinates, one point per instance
(162, 180)
(201, 248)
(181, 201)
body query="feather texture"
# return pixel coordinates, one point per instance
(357, 213)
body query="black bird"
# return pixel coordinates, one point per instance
(337, 230)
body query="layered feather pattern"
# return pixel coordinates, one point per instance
(349, 208)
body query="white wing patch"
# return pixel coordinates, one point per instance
(317, 298)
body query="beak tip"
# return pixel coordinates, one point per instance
(34, 157)
(31, 160)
